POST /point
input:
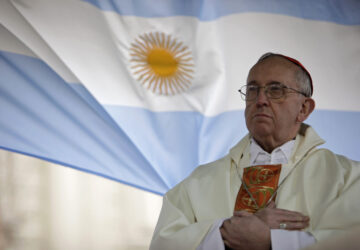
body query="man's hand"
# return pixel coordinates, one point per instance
(252, 231)
(273, 217)
(246, 231)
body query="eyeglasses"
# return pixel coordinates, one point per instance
(272, 91)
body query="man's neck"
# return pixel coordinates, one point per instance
(270, 144)
(267, 146)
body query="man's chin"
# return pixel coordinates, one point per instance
(261, 130)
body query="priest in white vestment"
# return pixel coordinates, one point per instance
(275, 189)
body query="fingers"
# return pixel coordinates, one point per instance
(229, 232)
(286, 215)
(293, 225)
(245, 232)
(292, 216)
(273, 217)
(290, 225)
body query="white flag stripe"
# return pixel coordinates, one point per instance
(31, 43)
(337, 11)
(215, 84)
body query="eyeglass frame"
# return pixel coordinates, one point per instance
(283, 86)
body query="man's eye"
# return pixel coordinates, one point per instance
(252, 89)
(275, 88)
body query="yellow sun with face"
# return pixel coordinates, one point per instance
(161, 63)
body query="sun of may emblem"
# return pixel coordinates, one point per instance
(161, 63)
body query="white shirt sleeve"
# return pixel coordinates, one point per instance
(213, 239)
(290, 240)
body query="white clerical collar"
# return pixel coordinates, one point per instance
(279, 155)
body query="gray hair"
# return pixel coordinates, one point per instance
(302, 77)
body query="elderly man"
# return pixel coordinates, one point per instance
(275, 189)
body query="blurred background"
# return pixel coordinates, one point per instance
(47, 206)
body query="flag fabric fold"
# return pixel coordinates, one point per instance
(142, 93)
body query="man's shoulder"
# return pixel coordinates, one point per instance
(327, 153)
(203, 175)
(223, 163)
(212, 167)
(215, 170)
(328, 159)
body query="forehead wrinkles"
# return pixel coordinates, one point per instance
(274, 63)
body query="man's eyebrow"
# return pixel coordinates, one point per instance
(253, 82)
(273, 82)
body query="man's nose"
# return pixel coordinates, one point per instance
(262, 99)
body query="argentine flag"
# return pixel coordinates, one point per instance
(143, 91)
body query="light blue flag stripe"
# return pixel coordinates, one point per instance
(344, 12)
(42, 116)
(178, 141)
(340, 129)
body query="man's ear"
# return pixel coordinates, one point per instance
(307, 107)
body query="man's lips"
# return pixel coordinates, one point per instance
(261, 115)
